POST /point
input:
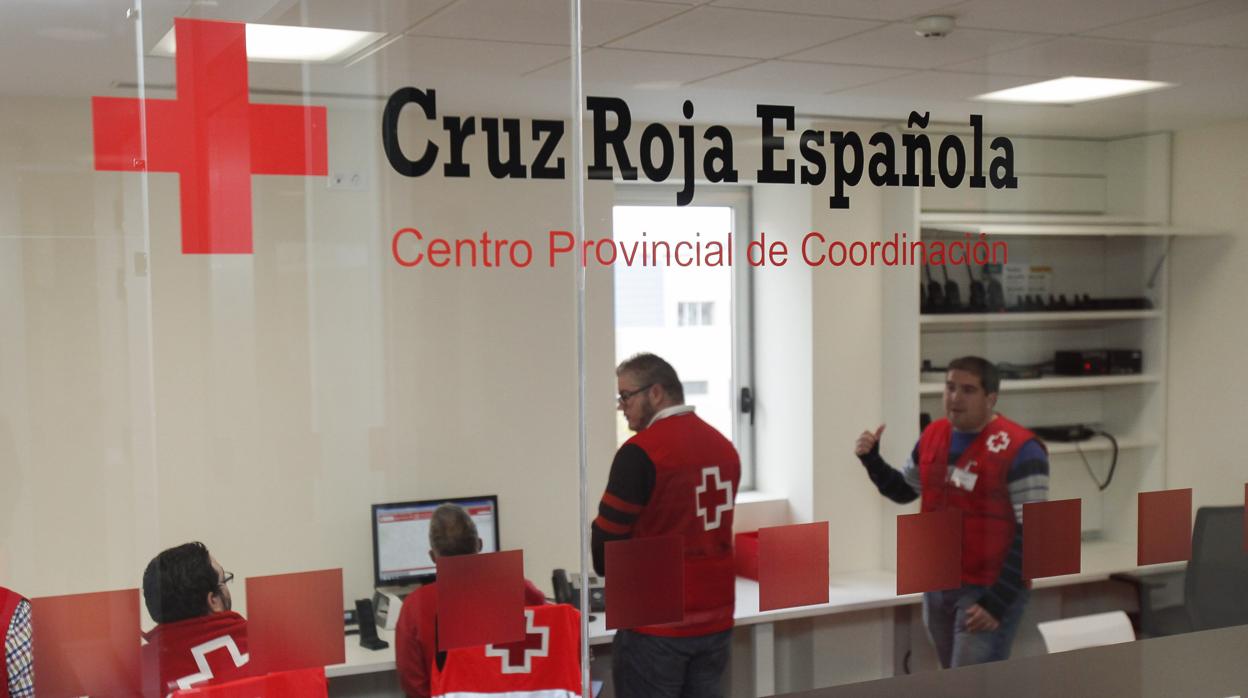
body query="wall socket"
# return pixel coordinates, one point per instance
(350, 181)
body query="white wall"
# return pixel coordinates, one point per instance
(1208, 385)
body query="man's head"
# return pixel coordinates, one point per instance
(971, 387)
(646, 384)
(452, 532)
(185, 582)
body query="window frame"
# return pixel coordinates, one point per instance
(741, 200)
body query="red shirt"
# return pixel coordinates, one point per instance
(194, 652)
(415, 638)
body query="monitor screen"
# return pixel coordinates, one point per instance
(401, 537)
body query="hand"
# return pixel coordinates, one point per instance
(978, 620)
(868, 441)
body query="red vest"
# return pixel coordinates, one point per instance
(8, 605)
(194, 652)
(697, 474)
(545, 664)
(988, 523)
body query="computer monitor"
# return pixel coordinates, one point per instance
(401, 537)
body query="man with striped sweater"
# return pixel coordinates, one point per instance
(985, 465)
(677, 476)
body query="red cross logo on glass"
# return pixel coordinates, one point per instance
(517, 657)
(212, 136)
(713, 500)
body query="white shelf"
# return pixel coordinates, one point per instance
(1038, 319)
(1054, 383)
(1100, 444)
(1022, 224)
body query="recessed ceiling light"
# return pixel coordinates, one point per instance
(277, 43)
(1072, 90)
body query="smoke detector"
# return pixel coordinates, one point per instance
(933, 26)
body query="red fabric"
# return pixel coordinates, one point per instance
(195, 652)
(301, 683)
(8, 605)
(697, 475)
(645, 577)
(546, 662)
(416, 639)
(988, 524)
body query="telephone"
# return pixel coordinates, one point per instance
(568, 590)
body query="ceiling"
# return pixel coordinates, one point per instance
(833, 58)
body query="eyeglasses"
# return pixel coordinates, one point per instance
(625, 395)
(226, 579)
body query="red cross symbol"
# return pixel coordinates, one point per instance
(518, 656)
(713, 501)
(211, 135)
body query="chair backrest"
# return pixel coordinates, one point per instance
(1086, 631)
(303, 683)
(545, 663)
(1216, 585)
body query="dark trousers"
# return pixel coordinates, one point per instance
(648, 666)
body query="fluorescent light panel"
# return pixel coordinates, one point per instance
(277, 43)
(1072, 90)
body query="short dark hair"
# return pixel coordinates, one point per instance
(989, 376)
(452, 531)
(649, 369)
(177, 582)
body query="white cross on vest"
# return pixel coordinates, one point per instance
(707, 498)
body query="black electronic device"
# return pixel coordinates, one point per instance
(935, 294)
(995, 293)
(977, 295)
(1098, 362)
(1081, 363)
(568, 590)
(368, 626)
(1125, 362)
(401, 537)
(953, 296)
(1076, 434)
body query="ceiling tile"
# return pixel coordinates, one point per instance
(1104, 58)
(646, 69)
(449, 57)
(790, 76)
(897, 46)
(860, 9)
(1217, 23)
(1058, 16)
(544, 21)
(914, 88)
(728, 32)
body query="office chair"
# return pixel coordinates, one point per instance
(1215, 585)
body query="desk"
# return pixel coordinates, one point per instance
(847, 592)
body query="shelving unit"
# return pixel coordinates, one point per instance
(1102, 228)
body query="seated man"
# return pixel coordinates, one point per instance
(18, 678)
(198, 639)
(451, 532)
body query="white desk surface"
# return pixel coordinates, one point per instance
(847, 592)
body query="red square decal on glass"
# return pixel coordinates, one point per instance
(294, 621)
(480, 599)
(792, 566)
(929, 551)
(645, 581)
(1165, 522)
(1051, 538)
(86, 644)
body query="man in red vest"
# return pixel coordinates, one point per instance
(199, 640)
(18, 678)
(451, 532)
(676, 476)
(985, 465)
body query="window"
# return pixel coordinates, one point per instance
(694, 310)
(690, 314)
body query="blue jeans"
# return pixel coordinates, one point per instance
(649, 666)
(944, 614)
